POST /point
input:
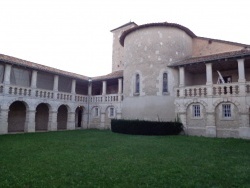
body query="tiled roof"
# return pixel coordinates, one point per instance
(116, 74)
(129, 23)
(164, 24)
(224, 41)
(214, 57)
(16, 61)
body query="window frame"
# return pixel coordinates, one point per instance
(196, 111)
(227, 111)
(163, 83)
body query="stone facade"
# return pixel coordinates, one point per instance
(160, 72)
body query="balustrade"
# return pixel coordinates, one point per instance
(228, 89)
(49, 94)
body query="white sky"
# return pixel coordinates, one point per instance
(74, 35)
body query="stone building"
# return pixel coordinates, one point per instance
(160, 72)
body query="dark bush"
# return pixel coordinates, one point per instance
(140, 127)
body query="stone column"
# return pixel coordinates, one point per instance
(6, 80)
(120, 89)
(210, 125)
(33, 82)
(181, 80)
(34, 79)
(30, 123)
(242, 79)
(73, 87)
(209, 76)
(90, 89)
(102, 120)
(104, 90)
(71, 121)
(104, 87)
(52, 125)
(120, 86)
(241, 70)
(55, 86)
(4, 120)
(7, 71)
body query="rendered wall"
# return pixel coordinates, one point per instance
(118, 51)
(147, 52)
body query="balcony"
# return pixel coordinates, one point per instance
(27, 92)
(215, 90)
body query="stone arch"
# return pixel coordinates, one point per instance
(42, 117)
(227, 126)
(107, 112)
(94, 112)
(230, 100)
(62, 116)
(195, 101)
(17, 116)
(79, 116)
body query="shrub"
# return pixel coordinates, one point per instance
(141, 127)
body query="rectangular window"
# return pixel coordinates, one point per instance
(111, 112)
(196, 111)
(226, 110)
(96, 112)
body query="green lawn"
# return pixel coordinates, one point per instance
(92, 158)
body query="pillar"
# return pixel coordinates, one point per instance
(55, 86)
(90, 89)
(104, 87)
(210, 125)
(7, 71)
(6, 80)
(34, 79)
(4, 120)
(52, 126)
(102, 120)
(241, 70)
(73, 87)
(30, 121)
(71, 121)
(182, 76)
(209, 74)
(120, 86)
(209, 78)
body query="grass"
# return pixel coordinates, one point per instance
(92, 158)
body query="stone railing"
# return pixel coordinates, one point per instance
(20, 91)
(46, 94)
(12, 90)
(106, 98)
(228, 89)
(81, 98)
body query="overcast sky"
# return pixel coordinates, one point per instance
(74, 35)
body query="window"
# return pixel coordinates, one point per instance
(137, 83)
(111, 112)
(196, 111)
(165, 83)
(226, 111)
(96, 112)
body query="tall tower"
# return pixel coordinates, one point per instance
(117, 54)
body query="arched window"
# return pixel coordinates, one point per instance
(165, 83)
(137, 83)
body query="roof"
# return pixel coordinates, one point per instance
(164, 24)
(116, 74)
(129, 23)
(224, 41)
(36, 66)
(215, 57)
